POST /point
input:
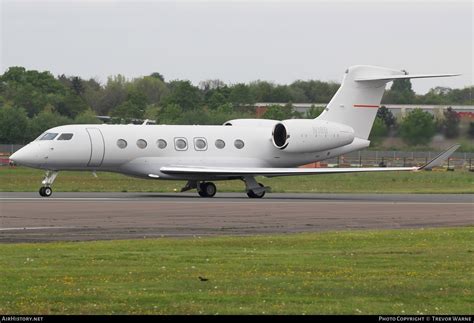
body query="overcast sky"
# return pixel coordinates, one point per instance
(239, 41)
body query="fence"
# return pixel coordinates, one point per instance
(399, 159)
(7, 150)
(354, 159)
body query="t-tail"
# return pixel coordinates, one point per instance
(356, 102)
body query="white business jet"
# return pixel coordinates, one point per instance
(239, 149)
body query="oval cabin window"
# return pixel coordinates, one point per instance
(200, 144)
(121, 143)
(161, 143)
(141, 143)
(181, 144)
(239, 144)
(220, 143)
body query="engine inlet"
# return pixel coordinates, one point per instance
(279, 136)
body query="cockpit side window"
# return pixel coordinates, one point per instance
(49, 136)
(65, 136)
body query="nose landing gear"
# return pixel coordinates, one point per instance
(48, 180)
(45, 191)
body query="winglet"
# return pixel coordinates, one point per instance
(439, 160)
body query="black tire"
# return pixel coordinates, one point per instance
(207, 189)
(210, 189)
(41, 191)
(251, 194)
(47, 191)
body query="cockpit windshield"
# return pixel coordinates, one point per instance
(48, 136)
(65, 136)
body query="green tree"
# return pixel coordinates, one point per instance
(77, 85)
(158, 76)
(386, 116)
(418, 127)
(461, 96)
(27, 97)
(93, 93)
(437, 95)
(169, 114)
(226, 109)
(262, 91)
(70, 105)
(46, 120)
(400, 92)
(152, 88)
(281, 93)
(314, 112)
(379, 131)
(114, 94)
(297, 95)
(240, 95)
(183, 94)
(216, 100)
(194, 117)
(14, 125)
(445, 95)
(30, 89)
(128, 110)
(87, 117)
(316, 91)
(450, 123)
(152, 112)
(277, 112)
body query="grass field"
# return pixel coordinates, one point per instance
(26, 179)
(359, 272)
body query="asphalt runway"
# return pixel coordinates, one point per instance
(27, 217)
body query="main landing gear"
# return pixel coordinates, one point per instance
(208, 189)
(254, 190)
(48, 180)
(204, 189)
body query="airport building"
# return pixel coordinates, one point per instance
(398, 110)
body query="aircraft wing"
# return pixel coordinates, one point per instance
(271, 172)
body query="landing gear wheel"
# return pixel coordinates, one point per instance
(45, 191)
(254, 195)
(207, 189)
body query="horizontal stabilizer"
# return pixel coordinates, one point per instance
(441, 158)
(398, 77)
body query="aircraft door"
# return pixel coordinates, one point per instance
(97, 147)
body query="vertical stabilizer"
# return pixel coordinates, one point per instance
(356, 102)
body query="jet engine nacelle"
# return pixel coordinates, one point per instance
(310, 135)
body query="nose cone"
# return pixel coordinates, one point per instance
(28, 156)
(18, 157)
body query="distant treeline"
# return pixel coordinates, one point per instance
(33, 101)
